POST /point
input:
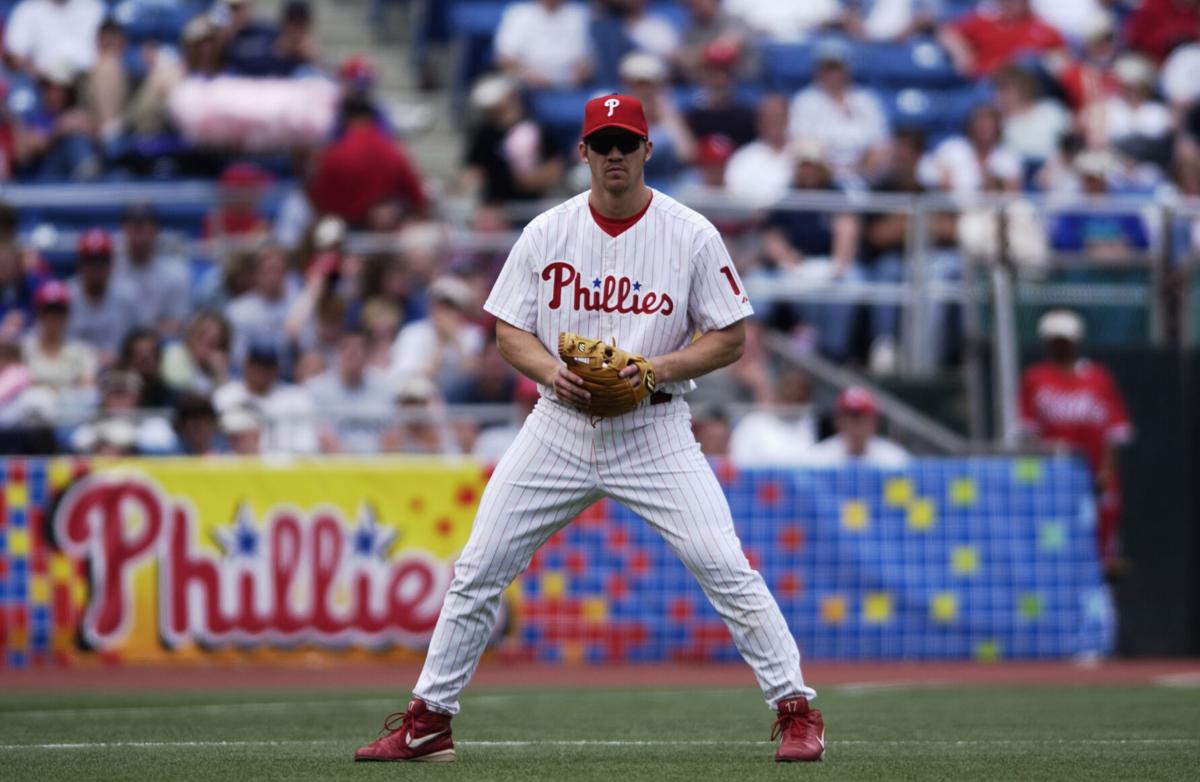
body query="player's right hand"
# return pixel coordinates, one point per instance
(569, 387)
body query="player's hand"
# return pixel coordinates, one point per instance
(569, 387)
(631, 374)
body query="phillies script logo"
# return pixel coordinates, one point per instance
(294, 578)
(610, 294)
(1071, 407)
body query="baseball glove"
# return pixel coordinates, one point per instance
(599, 365)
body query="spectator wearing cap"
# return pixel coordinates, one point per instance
(357, 77)
(848, 121)
(1071, 403)
(995, 34)
(421, 426)
(645, 78)
(198, 363)
(55, 359)
(104, 308)
(286, 411)
(352, 397)
(857, 440)
(545, 43)
(760, 172)
(717, 109)
(509, 155)
(119, 393)
(196, 425)
(1032, 124)
(259, 315)
(709, 23)
(965, 164)
(243, 430)
(160, 277)
(785, 20)
(236, 215)
(1155, 27)
(39, 34)
(57, 140)
(444, 346)
(712, 156)
(778, 432)
(363, 168)
(819, 248)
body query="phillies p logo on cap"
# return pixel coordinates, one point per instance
(615, 111)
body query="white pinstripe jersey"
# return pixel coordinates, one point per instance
(650, 288)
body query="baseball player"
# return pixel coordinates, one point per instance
(626, 262)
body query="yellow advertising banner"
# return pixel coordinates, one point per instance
(188, 557)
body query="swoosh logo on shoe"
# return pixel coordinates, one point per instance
(821, 739)
(418, 743)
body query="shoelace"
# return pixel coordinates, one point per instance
(784, 721)
(401, 720)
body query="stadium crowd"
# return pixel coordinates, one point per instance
(289, 337)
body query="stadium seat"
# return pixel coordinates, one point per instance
(938, 112)
(916, 63)
(787, 66)
(561, 112)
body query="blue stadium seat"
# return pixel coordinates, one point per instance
(787, 66)
(155, 20)
(938, 112)
(561, 112)
(920, 62)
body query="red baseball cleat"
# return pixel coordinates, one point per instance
(802, 729)
(417, 734)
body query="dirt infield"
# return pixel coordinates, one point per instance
(1178, 672)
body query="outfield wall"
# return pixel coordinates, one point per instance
(184, 561)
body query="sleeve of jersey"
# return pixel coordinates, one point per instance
(514, 296)
(1119, 429)
(1028, 415)
(717, 297)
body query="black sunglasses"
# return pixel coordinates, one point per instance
(602, 144)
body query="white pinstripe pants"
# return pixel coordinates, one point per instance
(560, 464)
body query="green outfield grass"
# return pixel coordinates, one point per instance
(955, 734)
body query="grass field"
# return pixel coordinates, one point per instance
(1119, 733)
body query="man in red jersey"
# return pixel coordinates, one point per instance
(996, 34)
(1071, 402)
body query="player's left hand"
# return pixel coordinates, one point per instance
(631, 374)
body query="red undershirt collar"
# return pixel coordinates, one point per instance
(617, 227)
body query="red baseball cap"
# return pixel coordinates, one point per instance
(358, 69)
(856, 399)
(714, 150)
(95, 242)
(615, 111)
(52, 293)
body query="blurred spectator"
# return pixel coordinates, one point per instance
(747, 381)
(708, 171)
(444, 346)
(778, 433)
(712, 431)
(848, 121)
(421, 427)
(248, 42)
(15, 378)
(381, 321)
(287, 411)
(893, 20)
(199, 57)
(259, 315)
(108, 437)
(996, 34)
(645, 78)
(295, 47)
(1074, 404)
(161, 279)
(509, 155)
(53, 357)
(352, 398)
(885, 241)
(199, 363)
(760, 172)
(545, 43)
(857, 440)
(362, 168)
(18, 287)
(818, 248)
(625, 26)
(1158, 26)
(490, 382)
(43, 34)
(1112, 236)
(1131, 118)
(1032, 125)
(1179, 83)
(240, 190)
(119, 392)
(785, 20)
(104, 308)
(109, 82)
(491, 236)
(494, 440)
(56, 141)
(1089, 78)
(708, 23)
(243, 430)
(196, 425)
(963, 164)
(141, 354)
(1074, 19)
(717, 110)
